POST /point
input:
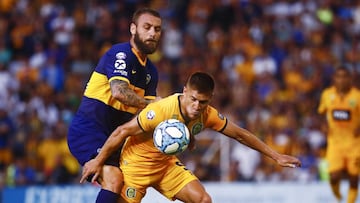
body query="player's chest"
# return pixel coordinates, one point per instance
(195, 126)
(343, 102)
(139, 76)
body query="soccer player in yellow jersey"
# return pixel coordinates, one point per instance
(144, 166)
(340, 105)
(124, 81)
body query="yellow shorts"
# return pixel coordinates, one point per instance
(343, 158)
(167, 177)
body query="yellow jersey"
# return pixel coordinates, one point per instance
(342, 115)
(141, 147)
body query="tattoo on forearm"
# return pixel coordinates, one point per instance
(121, 91)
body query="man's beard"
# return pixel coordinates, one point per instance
(143, 47)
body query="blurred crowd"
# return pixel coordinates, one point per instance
(270, 59)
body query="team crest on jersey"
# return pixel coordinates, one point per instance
(196, 128)
(130, 192)
(175, 116)
(150, 115)
(352, 103)
(148, 78)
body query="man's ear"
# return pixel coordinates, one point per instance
(132, 28)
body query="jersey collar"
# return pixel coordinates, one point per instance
(136, 52)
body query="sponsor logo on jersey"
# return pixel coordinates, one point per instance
(150, 115)
(120, 64)
(341, 115)
(130, 192)
(196, 128)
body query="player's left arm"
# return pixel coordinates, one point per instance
(247, 138)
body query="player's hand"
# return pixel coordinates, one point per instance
(288, 161)
(91, 167)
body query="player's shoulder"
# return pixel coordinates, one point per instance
(211, 110)
(329, 90)
(166, 104)
(356, 89)
(121, 51)
(169, 100)
(120, 47)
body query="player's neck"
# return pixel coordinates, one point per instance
(182, 109)
(138, 53)
(343, 91)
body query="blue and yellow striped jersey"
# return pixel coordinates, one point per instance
(119, 62)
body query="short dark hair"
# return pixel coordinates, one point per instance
(202, 82)
(144, 10)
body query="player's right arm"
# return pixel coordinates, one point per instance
(121, 91)
(322, 110)
(117, 137)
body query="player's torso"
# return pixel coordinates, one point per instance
(342, 113)
(141, 147)
(120, 63)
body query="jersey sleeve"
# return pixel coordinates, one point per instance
(215, 120)
(150, 117)
(117, 65)
(322, 103)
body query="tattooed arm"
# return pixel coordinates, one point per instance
(122, 92)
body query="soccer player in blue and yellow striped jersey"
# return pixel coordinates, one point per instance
(123, 82)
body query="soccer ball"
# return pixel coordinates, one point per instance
(171, 137)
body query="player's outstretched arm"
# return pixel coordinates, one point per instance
(245, 137)
(117, 137)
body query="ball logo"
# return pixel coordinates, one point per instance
(150, 115)
(120, 55)
(221, 116)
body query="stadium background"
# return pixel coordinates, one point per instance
(270, 60)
